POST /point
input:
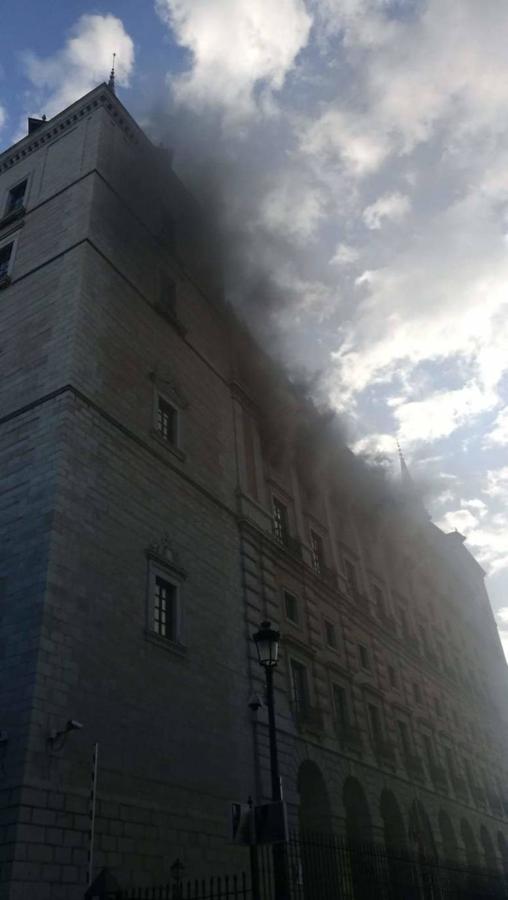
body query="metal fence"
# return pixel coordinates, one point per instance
(228, 887)
(329, 867)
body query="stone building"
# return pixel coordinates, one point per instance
(163, 489)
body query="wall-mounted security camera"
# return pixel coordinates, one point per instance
(57, 738)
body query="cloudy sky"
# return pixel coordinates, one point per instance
(361, 148)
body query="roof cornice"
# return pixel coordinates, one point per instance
(100, 96)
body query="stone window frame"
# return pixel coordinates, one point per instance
(8, 240)
(297, 623)
(7, 217)
(335, 646)
(163, 565)
(166, 389)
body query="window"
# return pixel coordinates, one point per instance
(5, 261)
(437, 707)
(417, 692)
(166, 420)
(364, 656)
(330, 635)
(280, 522)
(291, 607)
(429, 750)
(340, 706)
(15, 198)
(392, 677)
(166, 299)
(379, 601)
(164, 609)
(316, 542)
(300, 687)
(376, 731)
(450, 764)
(351, 579)
(404, 739)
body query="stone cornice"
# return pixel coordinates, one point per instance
(101, 96)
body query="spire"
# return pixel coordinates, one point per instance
(111, 82)
(405, 475)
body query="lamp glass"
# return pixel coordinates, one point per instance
(267, 645)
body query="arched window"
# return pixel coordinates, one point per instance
(359, 839)
(317, 865)
(400, 872)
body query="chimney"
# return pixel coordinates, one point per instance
(35, 124)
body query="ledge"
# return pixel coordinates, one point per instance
(12, 217)
(174, 647)
(175, 451)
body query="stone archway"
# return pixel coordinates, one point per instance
(448, 838)
(399, 871)
(423, 845)
(314, 811)
(489, 852)
(451, 853)
(316, 866)
(502, 846)
(359, 836)
(474, 881)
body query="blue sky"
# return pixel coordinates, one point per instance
(361, 148)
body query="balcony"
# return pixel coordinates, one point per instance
(12, 216)
(413, 764)
(384, 752)
(438, 777)
(495, 802)
(460, 787)
(349, 737)
(309, 718)
(289, 543)
(478, 795)
(329, 576)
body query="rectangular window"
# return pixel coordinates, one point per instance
(330, 635)
(164, 621)
(300, 686)
(351, 579)
(291, 607)
(316, 542)
(167, 420)
(437, 706)
(429, 750)
(405, 743)
(5, 259)
(376, 732)
(379, 601)
(392, 677)
(280, 522)
(364, 656)
(417, 693)
(15, 198)
(340, 706)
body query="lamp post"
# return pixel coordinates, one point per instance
(267, 646)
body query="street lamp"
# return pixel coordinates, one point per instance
(267, 646)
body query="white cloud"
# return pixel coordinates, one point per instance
(497, 483)
(377, 443)
(3, 116)
(238, 48)
(293, 206)
(499, 433)
(81, 64)
(441, 413)
(341, 139)
(344, 255)
(458, 519)
(390, 207)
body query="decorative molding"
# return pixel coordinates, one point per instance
(61, 123)
(162, 551)
(165, 382)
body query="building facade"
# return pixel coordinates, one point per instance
(163, 491)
